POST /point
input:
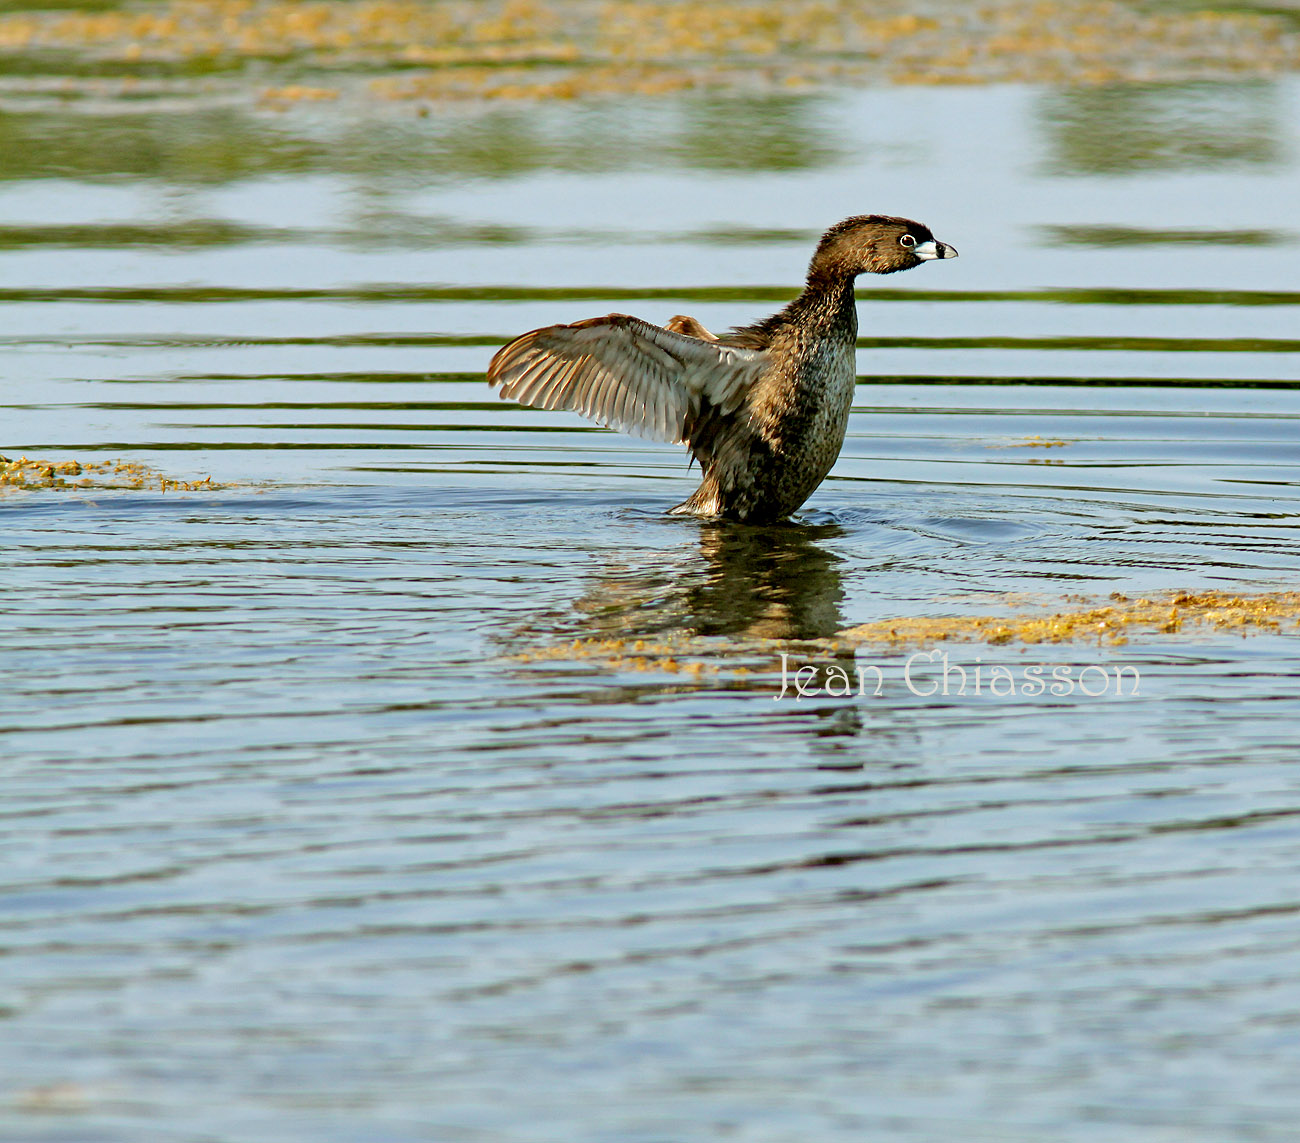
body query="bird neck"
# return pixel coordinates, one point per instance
(827, 299)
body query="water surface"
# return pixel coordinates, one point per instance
(310, 835)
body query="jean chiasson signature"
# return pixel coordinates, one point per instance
(930, 673)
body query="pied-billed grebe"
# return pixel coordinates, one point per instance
(762, 408)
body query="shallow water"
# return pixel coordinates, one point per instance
(309, 838)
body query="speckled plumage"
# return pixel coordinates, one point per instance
(763, 408)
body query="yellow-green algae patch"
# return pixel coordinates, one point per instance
(1111, 624)
(25, 474)
(529, 49)
(677, 654)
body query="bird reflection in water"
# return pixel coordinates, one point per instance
(747, 581)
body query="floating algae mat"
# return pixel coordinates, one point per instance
(1109, 625)
(1168, 615)
(74, 475)
(503, 49)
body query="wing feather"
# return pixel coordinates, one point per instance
(558, 376)
(626, 373)
(585, 390)
(551, 387)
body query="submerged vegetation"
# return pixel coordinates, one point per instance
(554, 49)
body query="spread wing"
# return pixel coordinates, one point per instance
(628, 374)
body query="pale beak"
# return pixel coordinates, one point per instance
(932, 249)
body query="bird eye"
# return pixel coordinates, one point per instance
(908, 240)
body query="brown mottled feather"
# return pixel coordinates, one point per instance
(681, 323)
